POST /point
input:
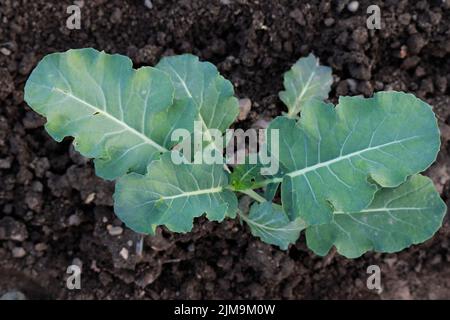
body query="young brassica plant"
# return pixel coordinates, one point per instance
(349, 175)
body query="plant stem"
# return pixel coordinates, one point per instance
(253, 194)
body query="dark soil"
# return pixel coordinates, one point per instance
(55, 208)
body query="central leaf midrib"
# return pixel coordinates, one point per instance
(199, 107)
(193, 193)
(264, 226)
(316, 166)
(121, 123)
(300, 96)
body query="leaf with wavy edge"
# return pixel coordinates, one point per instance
(201, 83)
(173, 195)
(269, 222)
(304, 81)
(334, 159)
(120, 116)
(397, 218)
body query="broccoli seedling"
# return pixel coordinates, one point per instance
(349, 175)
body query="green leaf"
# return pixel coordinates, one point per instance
(172, 195)
(201, 83)
(120, 116)
(269, 222)
(305, 81)
(246, 176)
(396, 219)
(335, 159)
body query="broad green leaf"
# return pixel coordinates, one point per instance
(173, 195)
(269, 222)
(396, 219)
(201, 83)
(305, 81)
(334, 159)
(120, 116)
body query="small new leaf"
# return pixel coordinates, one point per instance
(269, 222)
(396, 219)
(305, 81)
(247, 176)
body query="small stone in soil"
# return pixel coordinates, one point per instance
(77, 262)
(94, 266)
(90, 198)
(74, 220)
(5, 163)
(114, 231)
(403, 52)
(5, 51)
(148, 4)
(34, 201)
(18, 252)
(244, 108)
(36, 186)
(298, 16)
(40, 247)
(124, 253)
(353, 6)
(329, 22)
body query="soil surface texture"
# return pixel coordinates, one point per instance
(54, 211)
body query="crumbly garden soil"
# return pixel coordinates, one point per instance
(55, 212)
